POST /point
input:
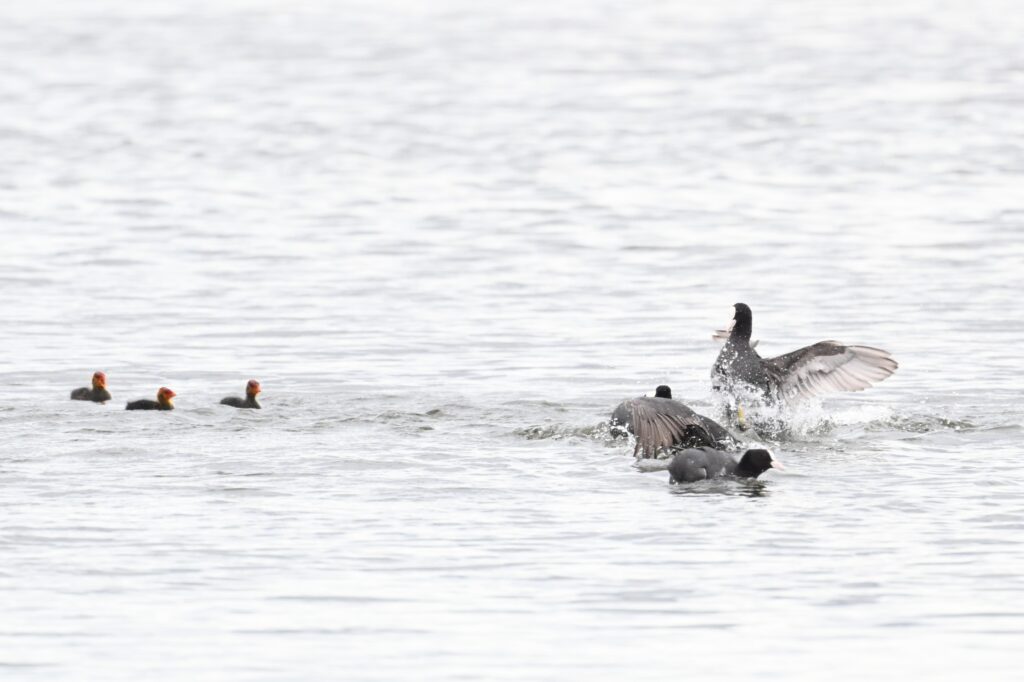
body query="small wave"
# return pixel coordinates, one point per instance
(600, 431)
(391, 416)
(732, 487)
(647, 466)
(921, 424)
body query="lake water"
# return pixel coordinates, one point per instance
(448, 238)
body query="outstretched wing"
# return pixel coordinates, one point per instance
(829, 367)
(659, 423)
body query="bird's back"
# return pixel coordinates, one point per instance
(96, 395)
(144, 405)
(235, 401)
(698, 464)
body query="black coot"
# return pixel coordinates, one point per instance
(698, 464)
(825, 367)
(661, 422)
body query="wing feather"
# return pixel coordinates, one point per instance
(659, 423)
(830, 367)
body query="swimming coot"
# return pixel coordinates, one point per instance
(825, 367)
(698, 464)
(162, 402)
(251, 389)
(97, 394)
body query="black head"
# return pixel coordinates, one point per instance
(663, 392)
(744, 322)
(753, 463)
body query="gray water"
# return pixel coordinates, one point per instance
(448, 239)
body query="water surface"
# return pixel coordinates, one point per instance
(448, 240)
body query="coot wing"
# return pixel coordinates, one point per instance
(660, 423)
(829, 367)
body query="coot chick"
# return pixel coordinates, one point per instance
(162, 402)
(97, 394)
(698, 464)
(661, 422)
(825, 367)
(251, 389)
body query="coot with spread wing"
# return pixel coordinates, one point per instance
(824, 367)
(661, 422)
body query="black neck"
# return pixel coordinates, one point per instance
(743, 327)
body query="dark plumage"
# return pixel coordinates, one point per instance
(698, 464)
(97, 394)
(825, 367)
(660, 422)
(163, 401)
(249, 401)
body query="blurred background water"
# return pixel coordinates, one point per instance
(448, 238)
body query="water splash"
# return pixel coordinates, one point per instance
(780, 422)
